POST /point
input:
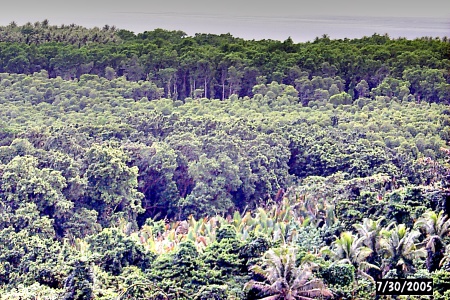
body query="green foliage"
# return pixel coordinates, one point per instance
(441, 284)
(400, 248)
(111, 184)
(115, 147)
(340, 99)
(224, 255)
(349, 249)
(31, 292)
(253, 249)
(283, 279)
(26, 258)
(216, 292)
(215, 179)
(182, 269)
(79, 284)
(115, 251)
(338, 276)
(406, 205)
(220, 66)
(23, 182)
(310, 238)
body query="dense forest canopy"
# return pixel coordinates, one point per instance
(218, 66)
(167, 166)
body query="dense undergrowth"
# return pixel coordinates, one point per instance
(116, 189)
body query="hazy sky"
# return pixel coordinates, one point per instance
(277, 19)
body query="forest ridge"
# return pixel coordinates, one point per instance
(167, 166)
(218, 66)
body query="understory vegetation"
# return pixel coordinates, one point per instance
(162, 166)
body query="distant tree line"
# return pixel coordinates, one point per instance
(163, 166)
(218, 66)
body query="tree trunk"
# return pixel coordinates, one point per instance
(168, 89)
(175, 90)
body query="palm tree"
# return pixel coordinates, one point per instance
(437, 227)
(434, 224)
(349, 249)
(400, 248)
(285, 280)
(370, 231)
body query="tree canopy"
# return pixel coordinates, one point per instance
(168, 166)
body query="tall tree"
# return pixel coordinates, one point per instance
(112, 185)
(284, 279)
(437, 227)
(400, 249)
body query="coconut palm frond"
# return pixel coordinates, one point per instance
(263, 287)
(284, 279)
